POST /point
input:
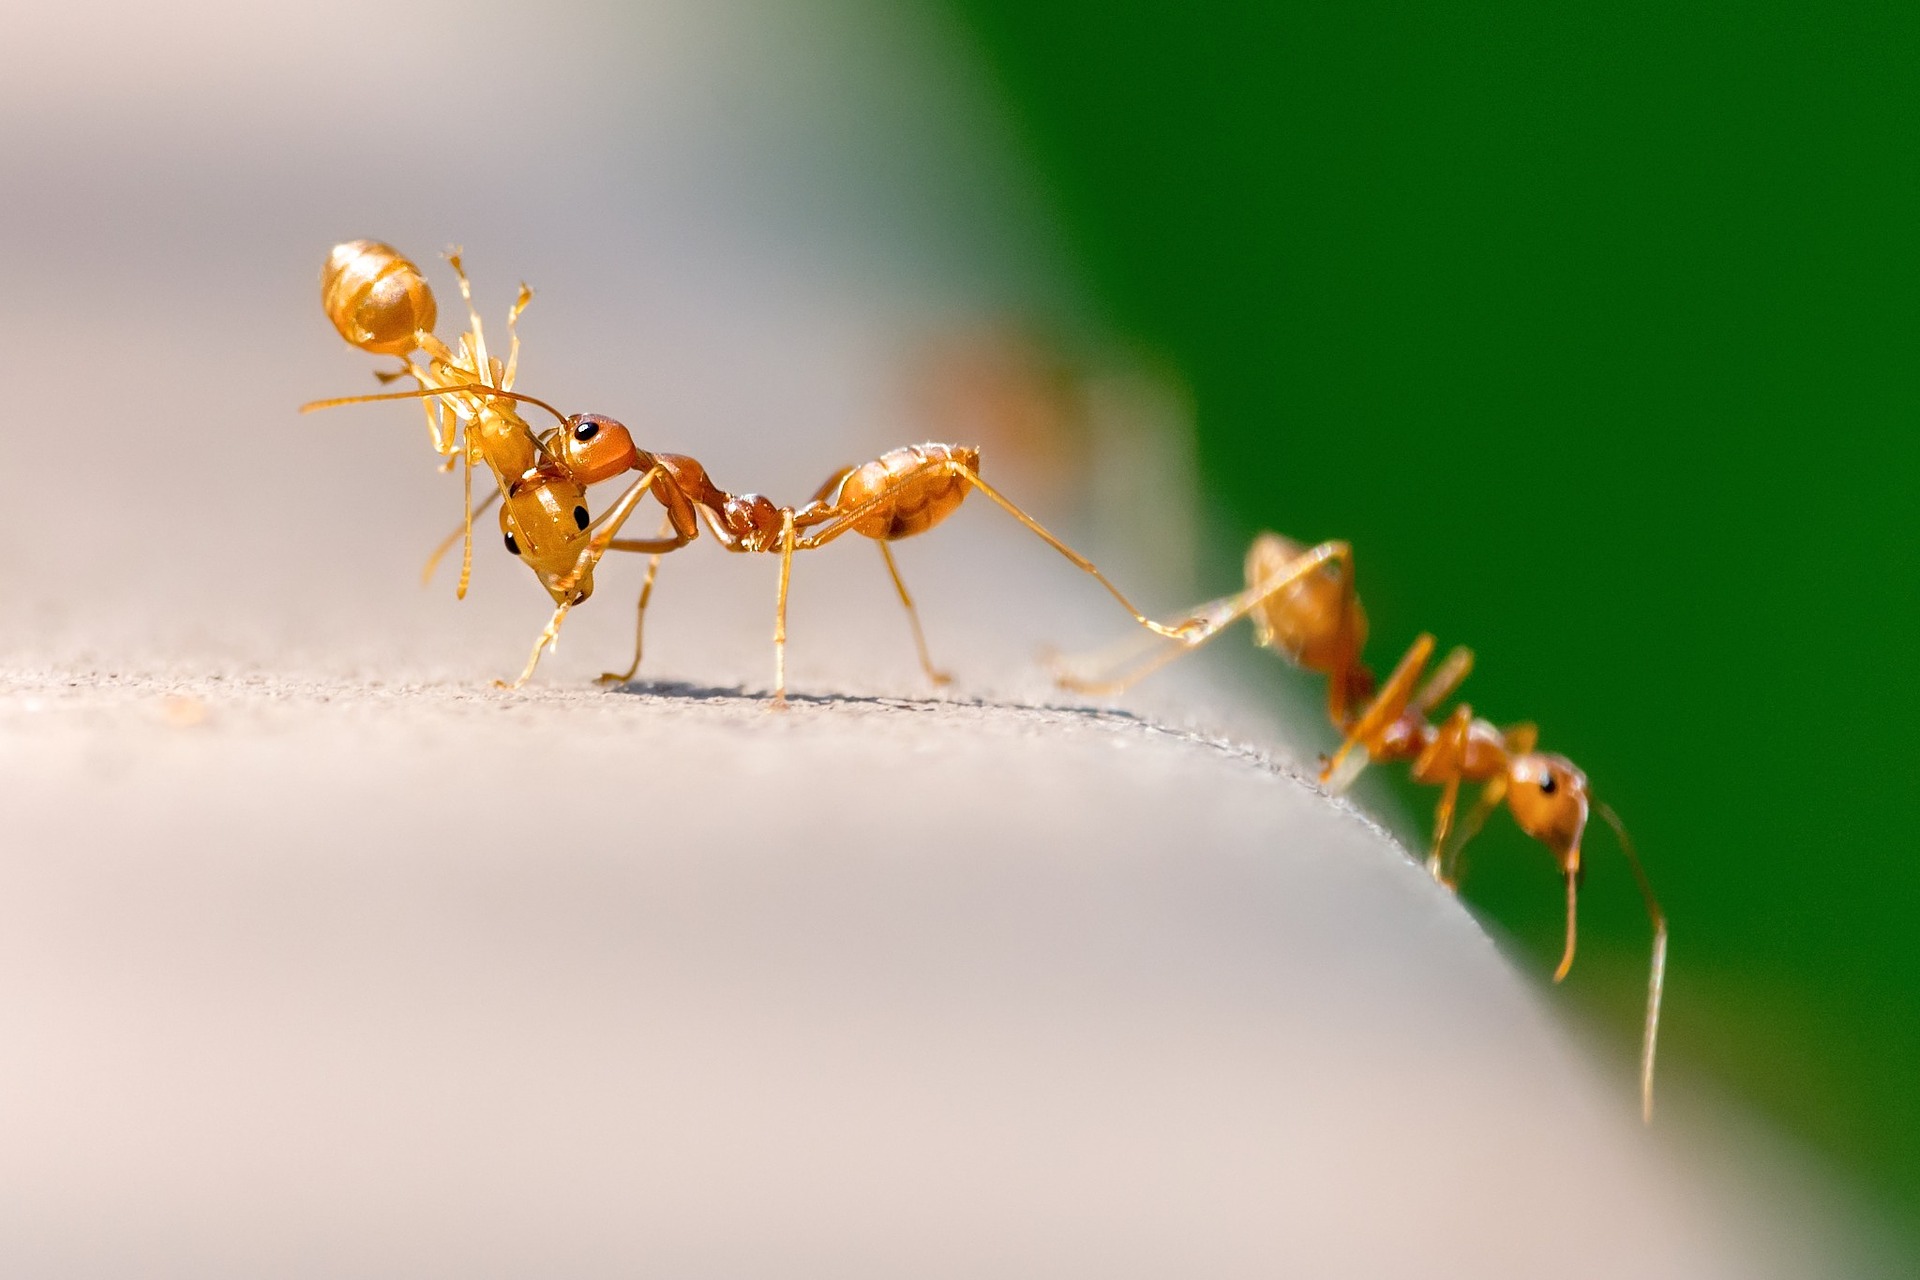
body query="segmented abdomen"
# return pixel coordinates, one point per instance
(924, 489)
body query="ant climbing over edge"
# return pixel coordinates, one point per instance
(1304, 608)
(544, 518)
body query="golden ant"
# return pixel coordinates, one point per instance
(380, 303)
(1304, 608)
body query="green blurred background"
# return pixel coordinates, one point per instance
(1593, 329)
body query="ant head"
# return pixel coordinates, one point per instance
(377, 299)
(592, 447)
(1549, 799)
(544, 521)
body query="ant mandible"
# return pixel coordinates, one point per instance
(380, 303)
(1305, 609)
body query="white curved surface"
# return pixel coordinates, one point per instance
(438, 981)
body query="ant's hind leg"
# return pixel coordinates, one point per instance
(1180, 630)
(939, 678)
(1447, 677)
(548, 639)
(1387, 706)
(844, 521)
(1203, 622)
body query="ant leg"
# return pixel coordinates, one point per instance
(614, 517)
(1448, 676)
(1206, 621)
(483, 367)
(640, 614)
(1178, 631)
(1347, 646)
(1453, 861)
(513, 334)
(549, 638)
(1445, 756)
(1123, 663)
(940, 678)
(607, 525)
(832, 485)
(1520, 739)
(780, 613)
(843, 521)
(446, 543)
(435, 411)
(1387, 706)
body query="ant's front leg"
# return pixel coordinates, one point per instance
(549, 637)
(601, 541)
(646, 594)
(1518, 741)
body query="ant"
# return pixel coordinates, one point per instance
(380, 303)
(905, 491)
(1304, 608)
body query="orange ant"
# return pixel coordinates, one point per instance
(380, 303)
(904, 492)
(1304, 608)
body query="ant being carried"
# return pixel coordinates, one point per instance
(1304, 608)
(381, 303)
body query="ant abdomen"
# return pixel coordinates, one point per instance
(923, 493)
(376, 298)
(1315, 621)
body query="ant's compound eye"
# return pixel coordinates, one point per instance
(586, 430)
(580, 516)
(511, 544)
(1547, 785)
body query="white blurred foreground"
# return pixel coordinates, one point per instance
(432, 980)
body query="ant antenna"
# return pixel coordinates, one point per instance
(465, 388)
(1657, 970)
